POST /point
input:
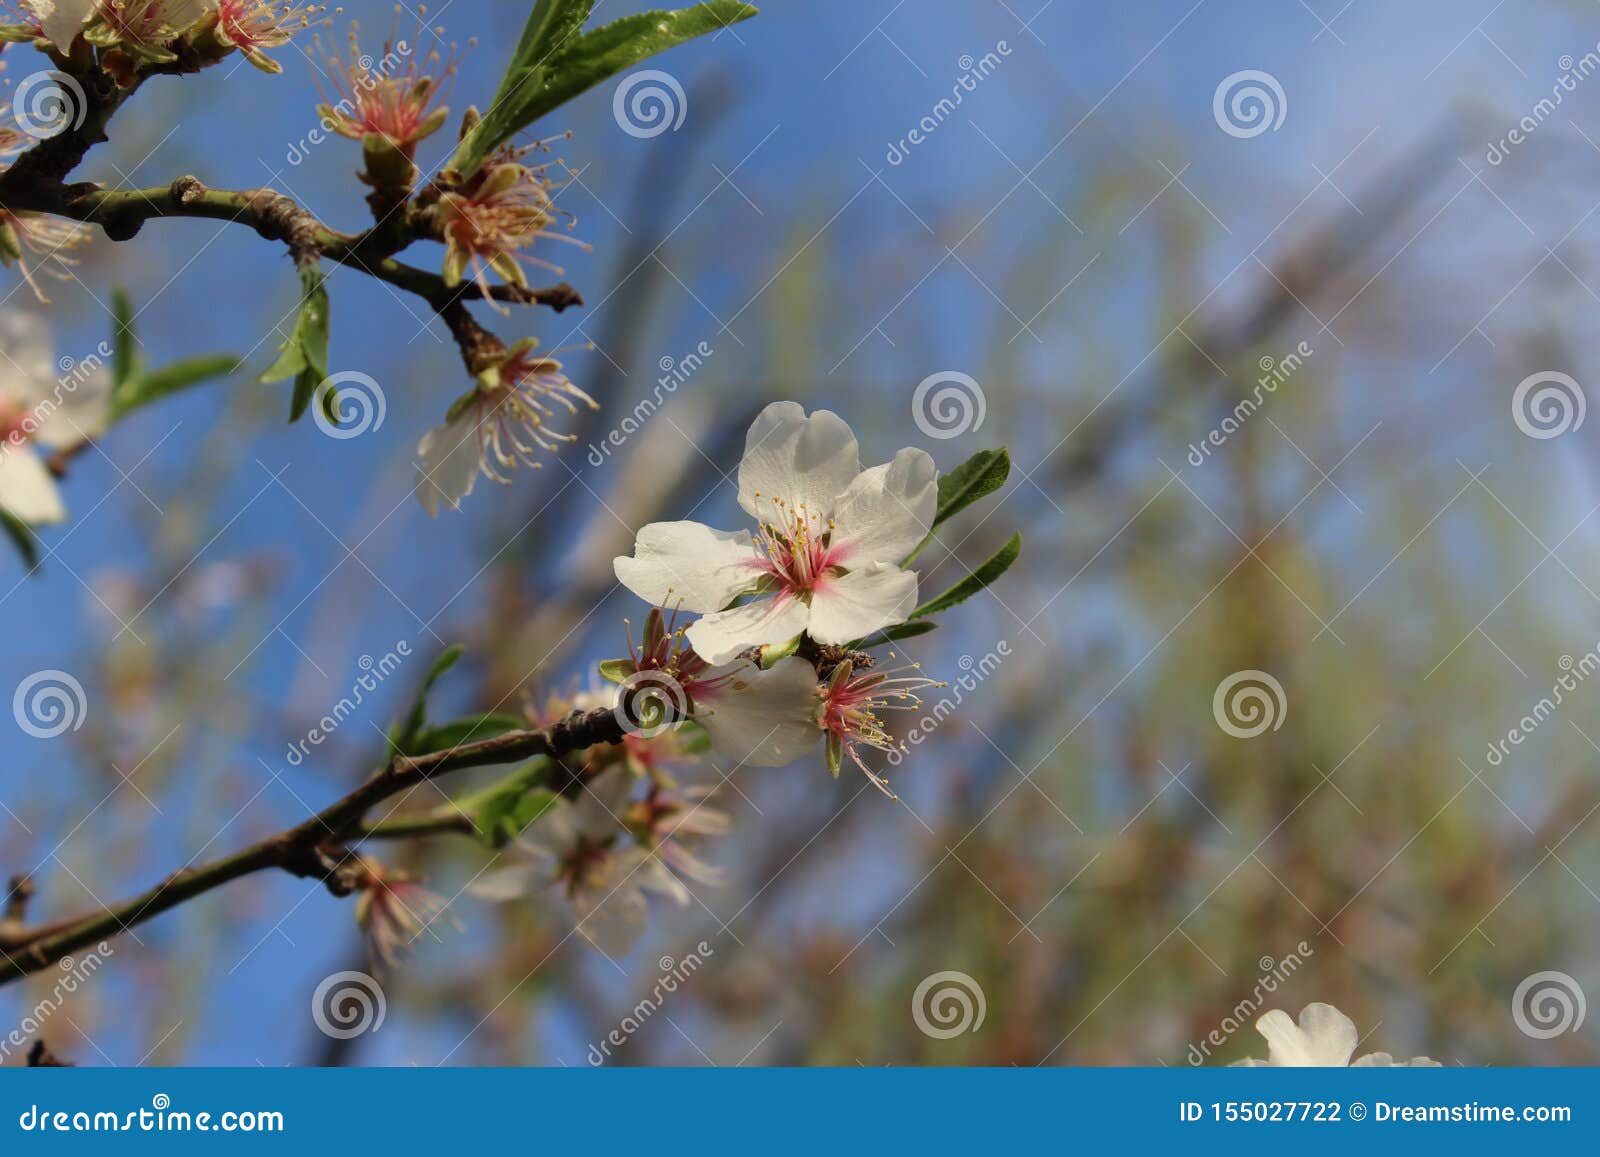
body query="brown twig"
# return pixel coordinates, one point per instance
(313, 849)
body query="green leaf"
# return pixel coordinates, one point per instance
(772, 653)
(997, 565)
(141, 389)
(554, 63)
(504, 809)
(304, 357)
(890, 634)
(460, 731)
(124, 344)
(550, 25)
(977, 477)
(403, 735)
(616, 670)
(21, 536)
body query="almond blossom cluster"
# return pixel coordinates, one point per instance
(822, 570)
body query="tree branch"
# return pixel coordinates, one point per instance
(313, 849)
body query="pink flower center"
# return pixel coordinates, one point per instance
(800, 554)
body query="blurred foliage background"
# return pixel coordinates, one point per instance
(1080, 837)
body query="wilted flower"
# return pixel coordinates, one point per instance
(830, 541)
(392, 908)
(37, 409)
(851, 711)
(672, 824)
(584, 850)
(21, 22)
(1324, 1038)
(499, 424)
(38, 244)
(252, 26)
(497, 214)
(395, 98)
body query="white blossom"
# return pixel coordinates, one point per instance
(38, 410)
(825, 556)
(1324, 1038)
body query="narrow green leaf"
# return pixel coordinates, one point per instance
(553, 63)
(460, 731)
(891, 634)
(550, 25)
(21, 536)
(124, 344)
(997, 565)
(142, 389)
(504, 809)
(977, 477)
(304, 355)
(403, 735)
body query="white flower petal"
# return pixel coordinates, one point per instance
(654, 876)
(603, 803)
(27, 490)
(720, 637)
(512, 882)
(689, 566)
(1324, 1038)
(62, 19)
(796, 459)
(82, 414)
(760, 718)
(27, 357)
(450, 461)
(611, 910)
(887, 510)
(1387, 1061)
(852, 606)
